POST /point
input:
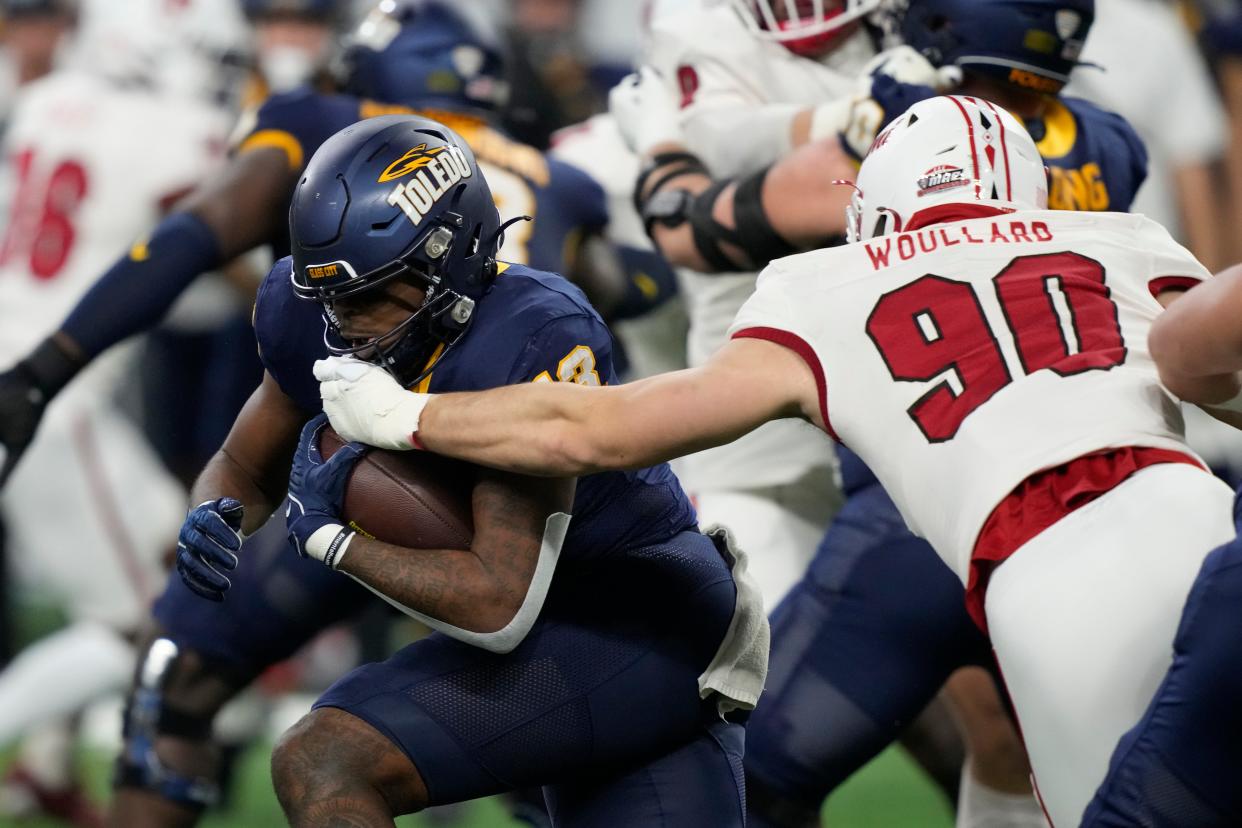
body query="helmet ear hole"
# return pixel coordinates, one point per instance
(881, 225)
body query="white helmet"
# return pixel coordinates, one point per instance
(806, 27)
(190, 48)
(946, 150)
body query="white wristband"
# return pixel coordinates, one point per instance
(328, 544)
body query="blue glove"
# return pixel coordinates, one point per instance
(208, 543)
(316, 495)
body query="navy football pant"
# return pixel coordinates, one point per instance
(859, 648)
(599, 704)
(1181, 765)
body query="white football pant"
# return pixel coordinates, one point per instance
(1083, 616)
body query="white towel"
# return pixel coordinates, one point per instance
(740, 666)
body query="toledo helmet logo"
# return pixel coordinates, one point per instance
(414, 159)
(941, 178)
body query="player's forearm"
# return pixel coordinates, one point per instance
(1201, 217)
(740, 225)
(224, 476)
(544, 429)
(1197, 343)
(136, 292)
(453, 586)
(490, 595)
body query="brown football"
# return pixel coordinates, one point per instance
(414, 499)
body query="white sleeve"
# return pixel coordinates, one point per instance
(725, 116)
(1169, 263)
(741, 139)
(769, 308)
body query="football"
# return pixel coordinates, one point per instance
(414, 499)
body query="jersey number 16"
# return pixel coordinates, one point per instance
(1057, 309)
(41, 220)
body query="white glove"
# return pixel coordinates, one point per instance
(904, 64)
(364, 403)
(857, 118)
(645, 111)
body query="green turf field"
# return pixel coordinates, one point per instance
(889, 793)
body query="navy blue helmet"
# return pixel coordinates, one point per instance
(1034, 44)
(396, 197)
(426, 55)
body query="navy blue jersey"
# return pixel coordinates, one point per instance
(530, 327)
(1096, 159)
(565, 203)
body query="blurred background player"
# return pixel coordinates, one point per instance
(199, 364)
(643, 308)
(95, 153)
(294, 40)
(1185, 135)
(31, 36)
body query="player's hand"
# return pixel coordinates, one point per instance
(904, 65)
(317, 496)
(365, 403)
(645, 111)
(21, 407)
(891, 83)
(25, 391)
(207, 546)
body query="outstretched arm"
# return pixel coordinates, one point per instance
(563, 429)
(1197, 342)
(228, 215)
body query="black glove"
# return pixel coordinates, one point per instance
(25, 391)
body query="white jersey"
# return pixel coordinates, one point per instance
(739, 95)
(738, 92)
(655, 343)
(91, 167)
(597, 147)
(960, 359)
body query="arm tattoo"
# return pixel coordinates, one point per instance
(477, 589)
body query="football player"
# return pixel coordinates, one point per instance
(95, 152)
(848, 604)
(596, 655)
(409, 53)
(989, 362)
(749, 77)
(293, 40)
(32, 33)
